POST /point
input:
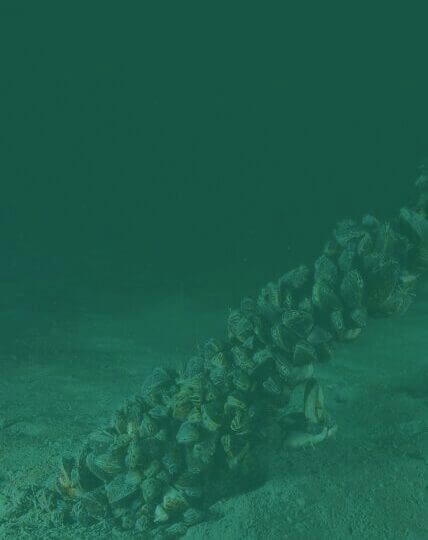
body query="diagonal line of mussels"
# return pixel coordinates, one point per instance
(193, 428)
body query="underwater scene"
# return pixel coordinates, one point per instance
(213, 280)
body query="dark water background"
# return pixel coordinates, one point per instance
(175, 146)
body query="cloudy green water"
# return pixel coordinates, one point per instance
(193, 148)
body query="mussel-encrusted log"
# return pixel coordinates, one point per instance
(191, 431)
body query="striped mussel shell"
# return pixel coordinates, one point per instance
(306, 305)
(283, 366)
(381, 282)
(248, 307)
(211, 416)
(324, 297)
(158, 412)
(385, 239)
(365, 244)
(100, 439)
(346, 259)
(272, 294)
(241, 380)
(416, 222)
(337, 321)
(174, 501)
(152, 468)
(243, 359)
(205, 449)
(351, 334)
(176, 529)
(319, 335)
(304, 353)
(346, 231)
(358, 317)
(331, 248)
(151, 489)
(267, 311)
(421, 182)
(397, 302)
(263, 357)
(156, 380)
(119, 491)
(192, 516)
(295, 278)
(352, 288)
(325, 270)
(193, 367)
(218, 375)
(236, 450)
(240, 423)
(134, 453)
(272, 386)
(281, 336)
(148, 426)
(119, 421)
(250, 343)
(235, 400)
(239, 327)
(370, 222)
(165, 477)
(299, 322)
(195, 415)
(171, 461)
(188, 433)
(105, 466)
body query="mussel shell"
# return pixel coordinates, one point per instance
(365, 244)
(299, 322)
(295, 278)
(325, 270)
(241, 380)
(272, 386)
(358, 316)
(211, 416)
(188, 433)
(346, 231)
(176, 529)
(304, 353)
(119, 491)
(158, 411)
(319, 336)
(346, 259)
(352, 288)
(151, 489)
(171, 461)
(324, 297)
(337, 322)
(105, 466)
(155, 381)
(95, 504)
(243, 359)
(281, 336)
(174, 501)
(100, 439)
(283, 366)
(239, 327)
(192, 516)
(415, 222)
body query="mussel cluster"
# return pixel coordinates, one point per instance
(193, 428)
